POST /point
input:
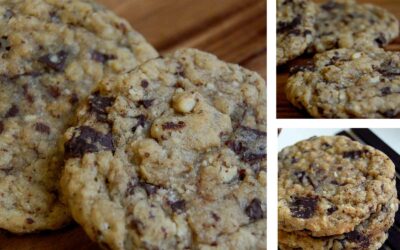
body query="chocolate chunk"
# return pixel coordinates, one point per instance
(74, 99)
(354, 154)
(98, 105)
(55, 61)
(386, 91)
(173, 126)
(303, 207)
(12, 112)
(144, 84)
(88, 140)
(146, 103)
(29, 221)
(285, 27)
(27, 95)
(254, 210)
(215, 216)
(389, 69)
(1, 127)
(141, 122)
(332, 209)
(178, 206)
(359, 238)
(331, 5)
(137, 225)
(101, 57)
(42, 128)
(303, 68)
(249, 144)
(242, 174)
(381, 40)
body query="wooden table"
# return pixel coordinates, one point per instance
(284, 108)
(234, 30)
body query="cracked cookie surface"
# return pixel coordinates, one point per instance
(329, 185)
(347, 24)
(295, 28)
(171, 155)
(347, 83)
(51, 54)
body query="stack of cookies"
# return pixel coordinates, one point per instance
(351, 75)
(335, 193)
(152, 152)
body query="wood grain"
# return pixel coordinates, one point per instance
(234, 30)
(284, 108)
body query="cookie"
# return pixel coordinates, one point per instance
(52, 54)
(294, 27)
(171, 156)
(345, 24)
(370, 234)
(329, 185)
(347, 83)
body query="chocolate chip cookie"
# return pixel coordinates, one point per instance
(52, 53)
(370, 234)
(329, 185)
(171, 155)
(345, 24)
(348, 83)
(295, 28)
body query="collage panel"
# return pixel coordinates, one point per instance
(338, 189)
(338, 59)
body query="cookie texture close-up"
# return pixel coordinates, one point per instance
(52, 53)
(348, 24)
(348, 83)
(294, 27)
(332, 185)
(171, 155)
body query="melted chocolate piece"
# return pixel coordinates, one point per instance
(354, 154)
(331, 5)
(141, 122)
(173, 126)
(389, 69)
(249, 144)
(144, 84)
(254, 210)
(332, 209)
(303, 207)
(286, 27)
(386, 91)
(88, 140)
(178, 206)
(29, 221)
(359, 238)
(309, 67)
(42, 128)
(12, 112)
(55, 61)
(146, 103)
(98, 105)
(381, 40)
(101, 57)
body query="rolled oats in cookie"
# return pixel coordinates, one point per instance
(370, 234)
(52, 53)
(295, 28)
(329, 185)
(172, 157)
(346, 24)
(348, 83)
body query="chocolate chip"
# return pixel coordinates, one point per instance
(389, 69)
(137, 225)
(88, 140)
(144, 84)
(173, 126)
(12, 112)
(303, 68)
(74, 99)
(354, 154)
(1, 127)
(249, 144)
(27, 95)
(359, 238)
(101, 57)
(242, 174)
(303, 207)
(141, 122)
(254, 210)
(285, 27)
(54, 91)
(146, 103)
(178, 206)
(42, 128)
(98, 105)
(215, 216)
(386, 91)
(55, 61)
(29, 221)
(332, 209)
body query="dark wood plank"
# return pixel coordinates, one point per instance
(284, 108)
